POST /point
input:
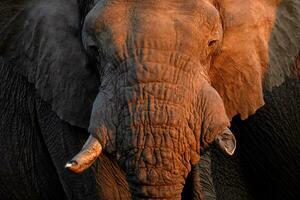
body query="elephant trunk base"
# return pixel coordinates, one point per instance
(141, 188)
(161, 192)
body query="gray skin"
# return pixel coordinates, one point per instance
(266, 165)
(38, 39)
(257, 167)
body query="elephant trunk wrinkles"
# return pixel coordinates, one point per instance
(156, 123)
(156, 146)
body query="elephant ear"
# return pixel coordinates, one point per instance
(237, 73)
(284, 45)
(42, 41)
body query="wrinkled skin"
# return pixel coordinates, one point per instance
(35, 145)
(267, 161)
(170, 81)
(155, 109)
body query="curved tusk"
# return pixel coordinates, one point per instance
(226, 142)
(86, 157)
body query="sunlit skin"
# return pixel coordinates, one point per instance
(156, 109)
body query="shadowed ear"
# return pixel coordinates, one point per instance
(284, 45)
(42, 40)
(237, 73)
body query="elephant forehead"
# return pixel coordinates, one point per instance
(170, 25)
(133, 13)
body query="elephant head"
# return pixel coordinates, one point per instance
(169, 69)
(172, 75)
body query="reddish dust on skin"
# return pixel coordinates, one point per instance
(154, 128)
(239, 70)
(166, 110)
(159, 76)
(166, 113)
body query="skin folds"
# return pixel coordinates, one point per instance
(155, 110)
(161, 79)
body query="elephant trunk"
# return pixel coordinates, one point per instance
(155, 113)
(156, 146)
(159, 164)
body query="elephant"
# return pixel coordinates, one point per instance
(155, 83)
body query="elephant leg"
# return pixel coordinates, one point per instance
(217, 176)
(111, 179)
(26, 170)
(203, 169)
(199, 184)
(228, 179)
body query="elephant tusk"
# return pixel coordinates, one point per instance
(86, 157)
(226, 142)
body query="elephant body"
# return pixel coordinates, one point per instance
(155, 85)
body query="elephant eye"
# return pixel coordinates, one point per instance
(212, 43)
